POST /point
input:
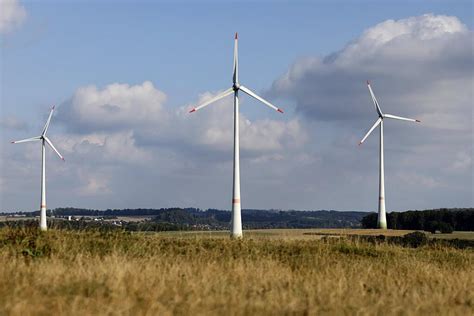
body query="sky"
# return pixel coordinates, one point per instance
(123, 75)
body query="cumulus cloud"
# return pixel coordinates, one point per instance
(12, 14)
(105, 147)
(141, 109)
(117, 106)
(419, 66)
(401, 39)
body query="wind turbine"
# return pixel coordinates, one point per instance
(236, 227)
(382, 219)
(44, 140)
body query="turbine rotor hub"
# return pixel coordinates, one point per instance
(236, 86)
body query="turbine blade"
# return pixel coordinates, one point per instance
(254, 95)
(32, 139)
(376, 103)
(371, 129)
(400, 118)
(214, 99)
(236, 60)
(46, 126)
(52, 146)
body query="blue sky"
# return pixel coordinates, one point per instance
(186, 47)
(185, 50)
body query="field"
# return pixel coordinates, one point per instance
(294, 272)
(313, 234)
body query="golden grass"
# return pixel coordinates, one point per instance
(93, 273)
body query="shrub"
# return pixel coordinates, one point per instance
(415, 239)
(434, 226)
(445, 228)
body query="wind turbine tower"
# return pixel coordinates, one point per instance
(44, 140)
(382, 218)
(236, 228)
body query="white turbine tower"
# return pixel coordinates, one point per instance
(43, 139)
(236, 230)
(382, 219)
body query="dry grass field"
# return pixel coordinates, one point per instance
(311, 233)
(269, 272)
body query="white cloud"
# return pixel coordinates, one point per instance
(141, 109)
(401, 37)
(118, 146)
(419, 66)
(12, 14)
(117, 106)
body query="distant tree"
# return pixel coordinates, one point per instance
(370, 221)
(443, 220)
(392, 220)
(445, 228)
(415, 239)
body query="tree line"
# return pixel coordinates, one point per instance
(194, 218)
(443, 220)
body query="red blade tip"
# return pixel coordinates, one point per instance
(368, 83)
(12, 142)
(236, 35)
(280, 110)
(360, 143)
(418, 121)
(193, 110)
(63, 159)
(53, 107)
